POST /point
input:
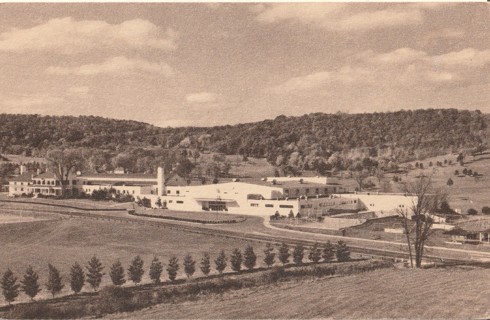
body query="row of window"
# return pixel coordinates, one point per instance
(178, 201)
(269, 205)
(307, 191)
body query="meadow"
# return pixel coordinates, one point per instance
(63, 242)
(454, 293)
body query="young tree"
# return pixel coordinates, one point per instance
(249, 258)
(117, 274)
(205, 264)
(156, 270)
(172, 268)
(270, 256)
(135, 270)
(54, 284)
(328, 252)
(284, 253)
(450, 182)
(94, 273)
(189, 265)
(418, 219)
(221, 262)
(315, 253)
(30, 284)
(298, 254)
(77, 278)
(10, 288)
(236, 260)
(342, 251)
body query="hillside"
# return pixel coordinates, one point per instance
(400, 294)
(311, 142)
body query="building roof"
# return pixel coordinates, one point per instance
(283, 184)
(45, 175)
(25, 177)
(118, 177)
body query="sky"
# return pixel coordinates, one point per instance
(206, 64)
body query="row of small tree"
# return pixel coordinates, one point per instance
(31, 287)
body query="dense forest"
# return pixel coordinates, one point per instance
(310, 142)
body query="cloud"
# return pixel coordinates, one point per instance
(468, 57)
(69, 36)
(403, 67)
(337, 16)
(115, 65)
(35, 103)
(201, 98)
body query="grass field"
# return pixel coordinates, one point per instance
(65, 241)
(406, 293)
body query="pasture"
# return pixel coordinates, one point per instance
(398, 294)
(64, 242)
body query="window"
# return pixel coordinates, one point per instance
(326, 190)
(168, 192)
(177, 192)
(269, 205)
(169, 201)
(317, 191)
(307, 190)
(286, 206)
(286, 191)
(179, 201)
(254, 204)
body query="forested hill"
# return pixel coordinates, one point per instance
(303, 141)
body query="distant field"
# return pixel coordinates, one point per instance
(65, 241)
(407, 294)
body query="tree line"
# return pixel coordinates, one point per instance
(315, 141)
(94, 273)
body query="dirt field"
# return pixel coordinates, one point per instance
(408, 294)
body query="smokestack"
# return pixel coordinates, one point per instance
(160, 181)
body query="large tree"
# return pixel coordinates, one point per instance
(94, 273)
(418, 218)
(30, 283)
(77, 278)
(156, 270)
(117, 274)
(64, 162)
(135, 270)
(54, 284)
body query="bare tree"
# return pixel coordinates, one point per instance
(360, 176)
(379, 174)
(418, 219)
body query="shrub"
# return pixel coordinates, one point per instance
(328, 252)
(249, 258)
(284, 253)
(221, 262)
(94, 273)
(450, 182)
(54, 280)
(298, 254)
(485, 210)
(315, 254)
(189, 265)
(472, 212)
(172, 268)
(156, 270)
(30, 284)
(10, 288)
(205, 264)
(270, 256)
(135, 270)
(77, 278)
(117, 274)
(113, 299)
(236, 260)
(342, 251)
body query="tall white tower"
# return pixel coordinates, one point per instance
(160, 181)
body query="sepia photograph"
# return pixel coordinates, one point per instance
(254, 160)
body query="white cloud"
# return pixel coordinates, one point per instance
(336, 16)
(201, 98)
(68, 36)
(115, 65)
(468, 57)
(396, 57)
(36, 103)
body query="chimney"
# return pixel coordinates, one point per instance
(38, 171)
(23, 169)
(160, 181)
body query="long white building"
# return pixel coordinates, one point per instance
(309, 196)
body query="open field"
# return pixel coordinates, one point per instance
(65, 241)
(407, 293)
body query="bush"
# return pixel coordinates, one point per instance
(485, 210)
(41, 310)
(114, 299)
(472, 212)
(342, 253)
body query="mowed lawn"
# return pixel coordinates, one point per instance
(409, 294)
(65, 241)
